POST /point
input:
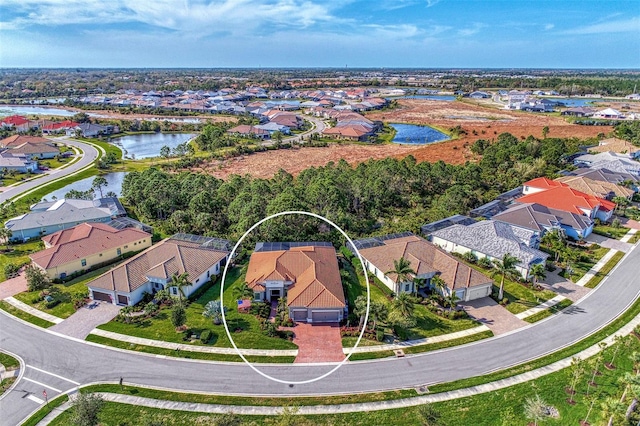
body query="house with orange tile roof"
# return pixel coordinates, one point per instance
(616, 145)
(151, 270)
(426, 259)
(307, 274)
(18, 123)
(539, 184)
(562, 197)
(86, 246)
(597, 188)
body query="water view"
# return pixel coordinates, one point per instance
(149, 144)
(419, 135)
(577, 102)
(114, 183)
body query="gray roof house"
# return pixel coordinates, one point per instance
(540, 219)
(619, 165)
(492, 239)
(605, 175)
(602, 156)
(52, 216)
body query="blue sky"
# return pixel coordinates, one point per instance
(320, 33)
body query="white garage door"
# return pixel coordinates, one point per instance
(477, 293)
(320, 316)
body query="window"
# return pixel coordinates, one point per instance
(126, 246)
(174, 291)
(208, 274)
(197, 279)
(135, 244)
(100, 255)
(407, 287)
(118, 252)
(83, 262)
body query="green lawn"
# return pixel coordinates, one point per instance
(504, 406)
(520, 297)
(599, 276)
(52, 163)
(18, 254)
(610, 231)
(160, 327)
(62, 292)
(549, 311)
(24, 315)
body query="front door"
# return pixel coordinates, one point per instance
(275, 295)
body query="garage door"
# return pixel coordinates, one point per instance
(325, 316)
(477, 293)
(299, 315)
(101, 296)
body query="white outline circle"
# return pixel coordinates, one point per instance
(224, 276)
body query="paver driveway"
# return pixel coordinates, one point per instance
(561, 286)
(493, 315)
(80, 324)
(318, 343)
(611, 243)
(13, 286)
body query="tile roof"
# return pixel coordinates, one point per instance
(312, 269)
(35, 148)
(604, 174)
(538, 217)
(494, 239)
(81, 241)
(567, 199)
(16, 140)
(162, 260)
(597, 188)
(543, 183)
(426, 259)
(615, 145)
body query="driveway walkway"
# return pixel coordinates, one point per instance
(317, 343)
(13, 286)
(80, 324)
(494, 316)
(561, 286)
(609, 243)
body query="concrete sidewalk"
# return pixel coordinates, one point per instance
(33, 311)
(593, 271)
(541, 307)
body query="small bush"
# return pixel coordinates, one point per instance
(11, 269)
(379, 334)
(52, 303)
(205, 336)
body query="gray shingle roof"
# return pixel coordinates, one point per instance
(494, 239)
(61, 212)
(538, 217)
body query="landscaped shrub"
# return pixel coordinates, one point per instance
(379, 334)
(79, 299)
(11, 269)
(52, 303)
(286, 334)
(260, 309)
(205, 336)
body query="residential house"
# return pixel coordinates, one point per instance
(201, 258)
(479, 95)
(19, 163)
(86, 246)
(579, 111)
(306, 274)
(250, 131)
(17, 140)
(597, 188)
(541, 219)
(493, 239)
(606, 175)
(272, 127)
(426, 259)
(539, 185)
(36, 151)
(58, 127)
(570, 200)
(90, 130)
(49, 217)
(18, 123)
(589, 159)
(457, 219)
(609, 113)
(616, 145)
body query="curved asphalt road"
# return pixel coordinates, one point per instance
(72, 362)
(90, 154)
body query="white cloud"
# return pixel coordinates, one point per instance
(474, 29)
(549, 27)
(394, 31)
(203, 16)
(619, 26)
(432, 2)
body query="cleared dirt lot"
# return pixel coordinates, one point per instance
(266, 164)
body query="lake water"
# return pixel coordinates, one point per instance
(149, 144)
(577, 102)
(419, 135)
(40, 110)
(114, 183)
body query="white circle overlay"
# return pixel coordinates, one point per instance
(224, 276)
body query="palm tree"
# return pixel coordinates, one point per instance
(402, 268)
(418, 283)
(242, 292)
(620, 202)
(452, 300)
(537, 272)
(98, 183)
(404, 304)
(378, 311)
(6, 234)
(439, 284)
(180, 281)
(505, 267)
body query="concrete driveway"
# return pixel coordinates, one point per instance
(317, 343)
(80, 324)
(561, 286)
(490, 313)
(608, 242)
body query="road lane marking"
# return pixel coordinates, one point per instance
(35, 399)
(54, 375)
(42, 384)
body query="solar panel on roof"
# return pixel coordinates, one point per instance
(208, 242)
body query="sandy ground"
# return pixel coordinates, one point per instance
(266, 164)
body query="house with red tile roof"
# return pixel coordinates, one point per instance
(16, 140)
(562, 197)
(86, 246)
(249, 131)
(58, 127)
(539, 184)
(306, 274)
(18, 123)
(426, 259)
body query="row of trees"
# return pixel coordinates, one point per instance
(379, 195)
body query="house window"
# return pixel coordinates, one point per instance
(208, 274)
(83, 262)
(407, 287)
(197, 279)
(118, 252)
(126, 246)
(174, 291)
(100, 255)
(135, 244)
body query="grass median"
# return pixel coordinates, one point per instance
(549, 311)
(602, 273)
(24, 315)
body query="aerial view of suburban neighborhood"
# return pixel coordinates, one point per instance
(294, 212)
